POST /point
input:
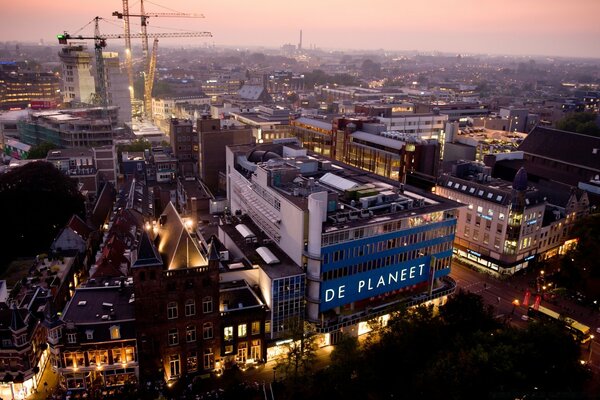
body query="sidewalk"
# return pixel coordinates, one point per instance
(51, 378)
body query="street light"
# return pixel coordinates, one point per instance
(515, 304)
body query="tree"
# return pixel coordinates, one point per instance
(460, 352)
(41, 150)
(37, 201)
(583, 122)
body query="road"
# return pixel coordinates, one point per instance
(501, 294)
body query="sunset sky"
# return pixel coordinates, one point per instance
(523, 27)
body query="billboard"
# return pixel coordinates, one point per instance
(357, 287)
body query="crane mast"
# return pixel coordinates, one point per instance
(149, 82)
(147, 59)
(128, 60)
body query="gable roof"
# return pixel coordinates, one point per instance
(568, 147)
(80, 227)
(103, 205)
(252, 92)
(146, 252)
(176, 246)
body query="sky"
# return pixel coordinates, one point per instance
(520, 27)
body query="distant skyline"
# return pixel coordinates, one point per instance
(517, 27)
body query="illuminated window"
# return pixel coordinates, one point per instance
(115, 332)
(228, 333)
(255, 327)
(242, 330)
(190, 333)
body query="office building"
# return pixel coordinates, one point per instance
(366, 243)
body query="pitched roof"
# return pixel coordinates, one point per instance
(146, 253)
(176, 246)
(568, 147)
(80, 227)
(103, 205)
(251, 92)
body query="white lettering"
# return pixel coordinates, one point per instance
(369, 285)
(393, 277)
(381, 281)
(403, 275)
(421, 269)
(361, 284)
(412, 272)
(329, 294)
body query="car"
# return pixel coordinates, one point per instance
(524, 317)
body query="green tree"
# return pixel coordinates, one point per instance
(41, 150)
(583, 122)
(37, 201)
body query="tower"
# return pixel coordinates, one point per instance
(300, 43)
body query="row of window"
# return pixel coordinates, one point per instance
(385, 261)
(114, 330)
(383, 245)
(190, 334)
(387, 227)
(242, 330)
(98, 357)
(189, 307)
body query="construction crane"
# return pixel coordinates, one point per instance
(128, 60)
(100, 43)
(100, 97)
(144, 35)
(149, 81)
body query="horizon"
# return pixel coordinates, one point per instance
(536, 28)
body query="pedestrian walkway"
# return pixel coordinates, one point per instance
(48, 384)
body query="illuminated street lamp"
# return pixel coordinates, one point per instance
(515, 304)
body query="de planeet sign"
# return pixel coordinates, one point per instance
(346, 290)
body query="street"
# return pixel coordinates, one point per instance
(501, 294)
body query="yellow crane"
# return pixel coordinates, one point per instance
(149, 81)
(144, 36)
(100, 43)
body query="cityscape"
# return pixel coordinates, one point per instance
(300, 201)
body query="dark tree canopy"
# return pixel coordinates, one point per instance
(584, 122)
(462, 352)
(41, 150)
(36, 200)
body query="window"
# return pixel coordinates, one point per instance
(89, 334)
(228, 333)
(173, 337)
(207, 305)
(242, 330)
(229, 349)
(242, 352)
(207, 330)
(174, 365)
(486, 238)
(479, 209)
(267, 326)
(255, 327)
(172, 310)
(190, 333)
(501, 216)
(468, 218)
(71, 337)
(192, 362)
(190, 307)
(209, 359)
(115, 332)
(466, 233)
(255, 350)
